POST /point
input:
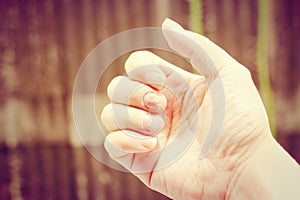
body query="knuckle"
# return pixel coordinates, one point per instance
(112, 85)
(134, 59)
(106, 113)
(138, 54)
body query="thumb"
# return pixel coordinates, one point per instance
(205, 56)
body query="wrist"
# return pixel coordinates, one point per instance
(271, 173)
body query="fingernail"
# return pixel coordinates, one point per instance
(150, 99)
(147, 122)
(171, 25)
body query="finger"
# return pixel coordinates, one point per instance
(201, 58)
(119, 117)
(122, 90)
(150, 69)
(218, 55)
(180, 42)
(129, 142)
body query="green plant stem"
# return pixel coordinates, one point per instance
(262, 62)
(196, 24)
(196, 16)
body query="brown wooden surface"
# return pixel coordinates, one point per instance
(43, 43)
(63, 172)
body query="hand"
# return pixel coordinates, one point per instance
(148, 110)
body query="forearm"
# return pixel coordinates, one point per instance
(270, 174)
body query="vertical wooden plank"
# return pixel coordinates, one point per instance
(114, 177)
(295, 73)
(162, 9)
(103, 30)
(295, 144)
(229, 28)
(61, 171)
(72, 173)
(21, 149)
(73, 55)
(63, 72)
(32, 174)
(44, 120)
(132, 186)
(140, 9)
(247, 21)
(4, 169)
(47, 173)
(96, 186)
(59, 15)
(81, 177)
(33, 41)
(26, 175)
(220, 22)
(120, 9)
(91, 176)
(282, 46)
(290, 142)
(54, 70)
(15, 165)
(8, 73)
(110, 180)
(210, 19)
(24, 90)
(58, 117)
(88, 26)
(150, 19)
(37, 66)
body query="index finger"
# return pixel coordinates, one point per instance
(150, 69)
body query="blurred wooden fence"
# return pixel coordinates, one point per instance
(62, 172)
(42, 44)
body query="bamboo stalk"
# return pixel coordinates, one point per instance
(196, 22)
(262, 62)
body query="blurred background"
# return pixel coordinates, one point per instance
(43, 43)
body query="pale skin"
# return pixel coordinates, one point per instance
(245, 163)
